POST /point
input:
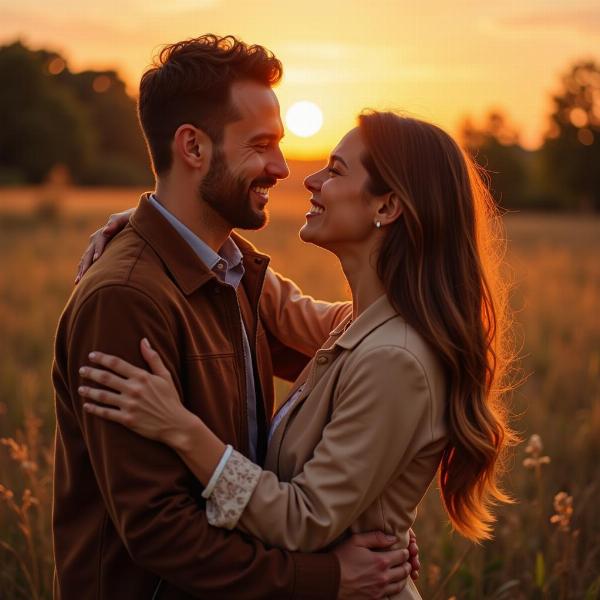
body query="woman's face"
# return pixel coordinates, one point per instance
(342, 210)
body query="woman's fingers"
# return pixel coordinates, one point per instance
(118, 365)
(106, 378)
(87, 258)
(116, 401)
(100, 242)
(153, 359)
(415, 563)
(112, 414)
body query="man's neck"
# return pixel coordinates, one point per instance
(196, 215)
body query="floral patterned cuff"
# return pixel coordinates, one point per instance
(232, 491)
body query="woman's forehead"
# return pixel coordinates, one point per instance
(350, 147)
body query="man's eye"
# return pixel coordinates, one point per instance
(262, 146)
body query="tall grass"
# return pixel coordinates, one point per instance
(546, 546)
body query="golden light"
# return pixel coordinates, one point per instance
(101, 84)
(578, 117)
(585, 137)
(56, 66)
(304, 118)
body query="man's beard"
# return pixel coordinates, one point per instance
(229, 196)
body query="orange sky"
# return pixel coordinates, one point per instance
(437, 59)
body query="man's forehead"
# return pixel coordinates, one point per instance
(257, 106)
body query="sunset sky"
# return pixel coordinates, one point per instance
(435, 59)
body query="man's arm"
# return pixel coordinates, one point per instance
(147, 489)
(296, 320)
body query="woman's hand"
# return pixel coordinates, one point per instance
(100, 238)
(145, 402)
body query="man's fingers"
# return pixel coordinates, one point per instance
(395, 558)
(372, 539)
(398, 580)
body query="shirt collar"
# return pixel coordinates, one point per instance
(222, 263)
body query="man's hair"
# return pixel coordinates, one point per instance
(190, 82)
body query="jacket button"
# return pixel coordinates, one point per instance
(322, 360)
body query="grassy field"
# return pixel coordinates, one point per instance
(554, 262)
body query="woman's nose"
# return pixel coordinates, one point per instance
(313, 182)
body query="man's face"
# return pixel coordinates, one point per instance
(249, 161)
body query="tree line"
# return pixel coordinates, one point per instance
(86, 124)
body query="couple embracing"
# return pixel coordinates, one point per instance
(174, 476)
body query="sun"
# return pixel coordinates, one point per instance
(304, 118)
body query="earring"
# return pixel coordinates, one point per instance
(378, 224)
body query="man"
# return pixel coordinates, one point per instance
(129, 518)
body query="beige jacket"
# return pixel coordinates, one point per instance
(357, 448)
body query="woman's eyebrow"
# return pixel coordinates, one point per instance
(337, 157)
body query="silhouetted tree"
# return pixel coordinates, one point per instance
(571, 152)
(495, 146)
(120, 151)
(84, 121)
(42, 124)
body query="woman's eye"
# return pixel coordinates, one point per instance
(332, 171)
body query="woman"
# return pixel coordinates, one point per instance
(407, 384)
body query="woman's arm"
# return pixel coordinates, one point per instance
(100, 239)
(148, 403)
(380, 419)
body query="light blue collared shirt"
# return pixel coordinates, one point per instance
(228, 266)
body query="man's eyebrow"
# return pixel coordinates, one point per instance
(337, 157)
(267, 135)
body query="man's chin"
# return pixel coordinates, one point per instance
(257, 220)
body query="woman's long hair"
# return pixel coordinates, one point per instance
(439, 263)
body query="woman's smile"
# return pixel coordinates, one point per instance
(316, 209)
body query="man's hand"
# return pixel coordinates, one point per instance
(100, 238)
(366, 574)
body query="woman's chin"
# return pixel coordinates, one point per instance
(307, 234)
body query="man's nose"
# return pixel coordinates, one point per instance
(277, 167)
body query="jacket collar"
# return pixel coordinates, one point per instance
(348, 334)
(186, 267)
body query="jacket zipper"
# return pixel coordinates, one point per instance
(157, 589)
(244, 424)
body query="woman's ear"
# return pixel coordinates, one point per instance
(193, 147)
(389, 208)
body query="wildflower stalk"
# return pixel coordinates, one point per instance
(563, 513)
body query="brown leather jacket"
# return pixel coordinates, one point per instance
(128, 517)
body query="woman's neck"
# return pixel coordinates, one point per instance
(361, 273)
